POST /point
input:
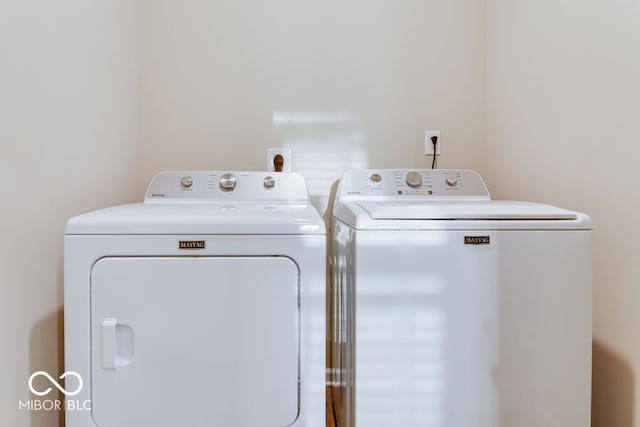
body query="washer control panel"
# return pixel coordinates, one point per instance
(414, 183)
(206, 186)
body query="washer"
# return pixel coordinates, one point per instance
(204, 305)
(449, 309)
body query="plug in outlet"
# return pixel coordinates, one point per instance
(279, 157)
(428, 142)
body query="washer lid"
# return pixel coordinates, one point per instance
(496, 210)
(490, 215)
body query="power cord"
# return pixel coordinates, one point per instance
(434, 141)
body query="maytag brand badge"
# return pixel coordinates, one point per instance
(191, 244)
(477, 240)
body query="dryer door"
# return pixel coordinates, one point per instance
(195, 341)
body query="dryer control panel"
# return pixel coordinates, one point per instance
(407, 184)
(215, 186)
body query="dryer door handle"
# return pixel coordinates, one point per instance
(117, 343)
(109, 343)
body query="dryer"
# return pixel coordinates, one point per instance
(202, 306)
(448, 309)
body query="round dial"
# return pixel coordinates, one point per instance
(228, 182)
(186, 181)
(375, 179)
(269, 182)
(413, 179)
(451, 180)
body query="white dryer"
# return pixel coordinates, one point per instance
(449, 309)
(202, 306)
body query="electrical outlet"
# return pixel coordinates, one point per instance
(286, 156)
(428, 144)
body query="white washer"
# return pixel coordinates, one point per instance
(204, 305)
(452, 310)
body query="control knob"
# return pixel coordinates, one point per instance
(269, 182)
(186, 181)
(451, 181)
(228, 182)
(413, 179)
(375, 179)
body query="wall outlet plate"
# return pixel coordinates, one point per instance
(285, 153)
(428, 145)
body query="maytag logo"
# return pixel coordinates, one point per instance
(191, 244)
(477, 240)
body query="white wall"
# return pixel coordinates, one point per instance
(68, 144)
(345, 84)
(563, 107)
